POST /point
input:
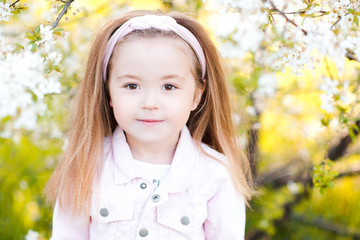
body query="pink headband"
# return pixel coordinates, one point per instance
(164, 23)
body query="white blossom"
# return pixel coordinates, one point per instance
(291, 105)
(346, 96)
(5, 11)
(256, 125)
(54, 58)
(345, 2)
(23, 86)
(330, 86)
(32, 235)
(251, 111)
(236, 119)
(293, 187)
(327, 103)
(267, 85)
(46, 34)
(242, 26)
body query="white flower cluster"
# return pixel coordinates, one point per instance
(25, 80)
(332, 36)
(267, 85)
(46, 34)
(332, 88)
(5, 11)
(32, 235)
(281, 35)
(240, 22)
(327, 98)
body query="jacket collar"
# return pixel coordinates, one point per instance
(183, 165)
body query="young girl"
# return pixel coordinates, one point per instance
(152, 151)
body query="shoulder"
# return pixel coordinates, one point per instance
(213, 153)
(214, 162)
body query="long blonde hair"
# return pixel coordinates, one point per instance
(93, 120)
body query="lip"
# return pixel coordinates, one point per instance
(149, 122)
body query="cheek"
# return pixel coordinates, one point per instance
(180, 110)
(121, 107)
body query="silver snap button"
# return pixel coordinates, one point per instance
(185, 220)
(104, 212)
(143, 185)
(143, 232)
(155, 198)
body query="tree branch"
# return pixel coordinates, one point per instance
(63, 11)
(289, 172)
(337, 21)
(355, 172)
(281, 176)
(351, 56)
(13, 4)
(284, 15)
(304, 11)
(339, 150)
(328, 226)
(252, 150)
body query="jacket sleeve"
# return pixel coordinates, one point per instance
(226, 213)
(68, 227)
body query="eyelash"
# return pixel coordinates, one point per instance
(169, 85)
(133, 86)
(130, 85)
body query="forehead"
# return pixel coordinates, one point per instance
(169, 37)
(150, 37)
(156, 56)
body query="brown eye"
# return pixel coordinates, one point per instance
(132, 86)
(169, 87)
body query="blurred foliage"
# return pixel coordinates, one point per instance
(290, 134)
(25, 166)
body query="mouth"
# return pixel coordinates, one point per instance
(149, 122)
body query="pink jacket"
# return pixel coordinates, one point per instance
(195, 200)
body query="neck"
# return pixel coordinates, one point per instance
(157, 153)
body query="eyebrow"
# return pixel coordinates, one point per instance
(128, 76)
(165, 77)
(173, 76)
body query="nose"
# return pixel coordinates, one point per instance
(150, 100)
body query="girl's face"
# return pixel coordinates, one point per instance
(152, 89)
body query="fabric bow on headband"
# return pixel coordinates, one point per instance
(164, 23)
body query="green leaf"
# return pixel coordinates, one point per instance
(58, 69)
(23, 7)
(341, 109)
(325, 122)
(323, 175)
(29, 35)
(33, 47)
(356, 20)
(15, 11)
(19, 46)
(352, 136)
(37, 30)
(343, 118)
(350, 10)
(61, 7)
(355, 128)
(59, 30)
